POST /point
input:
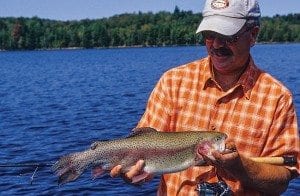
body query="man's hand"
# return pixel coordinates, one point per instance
(266, 178)
(228, 160)
(135, 175)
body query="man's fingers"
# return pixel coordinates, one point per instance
(230, 145)
(207, 160)
(116, 171)
(135, 170)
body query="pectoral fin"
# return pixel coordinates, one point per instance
(140, 177)
(97, 171)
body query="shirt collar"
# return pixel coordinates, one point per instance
(207, 74)
(246, 81)
(249, 77)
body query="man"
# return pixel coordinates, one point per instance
(226, 92)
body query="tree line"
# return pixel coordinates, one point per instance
(137, 29)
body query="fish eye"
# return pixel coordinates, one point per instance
(218, 138)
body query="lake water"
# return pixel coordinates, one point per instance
(56, 102)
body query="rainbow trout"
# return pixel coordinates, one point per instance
(163, 152)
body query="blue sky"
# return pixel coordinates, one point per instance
(81, 9)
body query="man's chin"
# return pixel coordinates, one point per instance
(221, 64)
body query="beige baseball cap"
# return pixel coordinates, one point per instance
(227, 17)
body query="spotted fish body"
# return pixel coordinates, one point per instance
(163, 152)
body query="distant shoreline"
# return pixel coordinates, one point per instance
(164, 29)
(137, 46)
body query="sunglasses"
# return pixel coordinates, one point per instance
(210, 36)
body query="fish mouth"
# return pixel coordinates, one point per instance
(221, 146)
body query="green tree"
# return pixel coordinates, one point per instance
(146, 29)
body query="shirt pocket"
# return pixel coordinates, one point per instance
(249, 139)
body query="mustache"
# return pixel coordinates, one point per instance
(221, 51)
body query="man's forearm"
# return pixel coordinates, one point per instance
(266, 178)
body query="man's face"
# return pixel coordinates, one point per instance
(230, 55)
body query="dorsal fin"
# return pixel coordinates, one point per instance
(141, 131)
(94, 145)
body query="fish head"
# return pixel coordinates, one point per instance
(213, 141)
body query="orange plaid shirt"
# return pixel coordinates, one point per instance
(258, 114)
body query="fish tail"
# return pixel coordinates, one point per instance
(68, 168)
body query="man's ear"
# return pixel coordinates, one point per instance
(254, 35)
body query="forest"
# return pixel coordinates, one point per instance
(127, 30)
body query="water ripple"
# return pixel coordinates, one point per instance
(57, 102)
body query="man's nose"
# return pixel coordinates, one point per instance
(218, 42)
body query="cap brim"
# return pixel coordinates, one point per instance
(220, 24)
